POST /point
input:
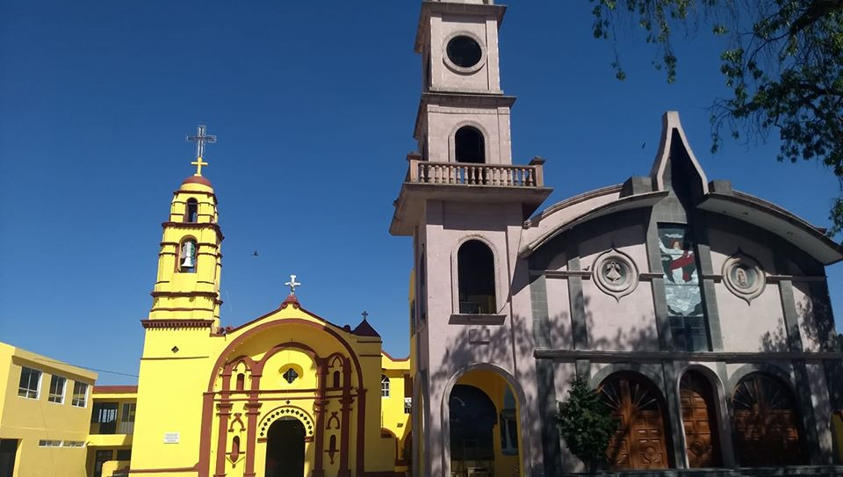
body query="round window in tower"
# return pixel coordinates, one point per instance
(464, 51)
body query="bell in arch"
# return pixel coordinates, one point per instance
(188, 254)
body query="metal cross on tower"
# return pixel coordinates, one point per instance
(365, 315)
(200, 139)
(292, 284)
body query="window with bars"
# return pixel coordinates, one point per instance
(127, 419)
(80, 395)
(30, 383)
(384, 386)
(57, 387)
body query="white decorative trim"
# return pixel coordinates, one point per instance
(744, 277)
(615, 273)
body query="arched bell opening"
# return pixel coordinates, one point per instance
(699, 420)
(285, 448)
(191, 214)
(469, 145)
(766, 422)
(484, 426)
(640, 440)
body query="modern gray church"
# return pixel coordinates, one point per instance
(701, 314)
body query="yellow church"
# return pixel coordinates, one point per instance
(288, 393)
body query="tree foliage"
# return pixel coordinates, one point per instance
(782, 62)
(586, 424)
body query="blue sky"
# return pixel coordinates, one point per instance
(313, 104)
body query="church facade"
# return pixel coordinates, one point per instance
(288, 393)
(700, 314)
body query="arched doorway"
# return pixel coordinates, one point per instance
(698, 418)
(639, 441)
(484, 426)
(472, 418)
(285, 448)
(766, 422)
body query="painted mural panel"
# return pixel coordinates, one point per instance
(682, 287)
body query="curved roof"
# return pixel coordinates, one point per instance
(647, 191)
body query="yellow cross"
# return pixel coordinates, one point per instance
(199, 163)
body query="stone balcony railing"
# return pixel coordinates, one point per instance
(469, 174)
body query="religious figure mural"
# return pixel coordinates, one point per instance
(744, 276)
(615, 273)
(682, 287)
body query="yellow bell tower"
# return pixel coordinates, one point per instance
(188, 283)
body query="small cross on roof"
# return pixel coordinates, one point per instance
(292, 284)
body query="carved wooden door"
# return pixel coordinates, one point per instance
(766, 423)
(639, 441)
(698, 413)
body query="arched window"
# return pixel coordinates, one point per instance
(384, 386)
(766, 422)
(187, 256)
(337, 380)
(639, 441)
(476, 274)
(192, 213)
(469, 145)
(241, 382)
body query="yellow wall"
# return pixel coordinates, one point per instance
(393, 417)
(32, 420)
(172, 386)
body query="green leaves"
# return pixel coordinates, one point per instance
(586, 424)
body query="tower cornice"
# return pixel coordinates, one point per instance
(471, 100)
(195, 225)
(428, 8)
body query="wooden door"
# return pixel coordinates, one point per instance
(701, 443)
(766, 423)
(639, 441)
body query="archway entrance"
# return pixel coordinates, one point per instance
(484, 426)
(285, 448)
(639, 441)
(766, 422)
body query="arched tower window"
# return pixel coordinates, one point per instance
(384, 386)
(192, 213)
(476, 273)
(241, 382)
(337, 380)
(187, 256)
(469, 145)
